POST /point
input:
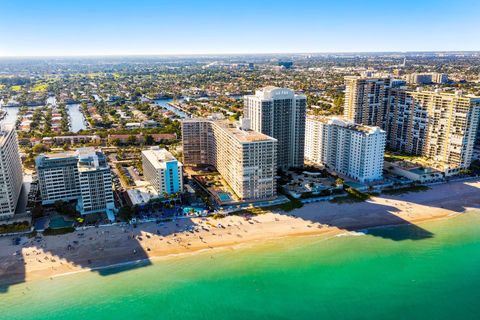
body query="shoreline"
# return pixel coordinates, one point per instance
(101, 249)
(246, 244)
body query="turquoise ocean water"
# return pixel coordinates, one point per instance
(350, 277)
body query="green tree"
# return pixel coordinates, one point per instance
(39, 148)
(149, 140)
(131, 139)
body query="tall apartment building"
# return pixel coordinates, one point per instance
(350, 149)
(246, 159)
(440, 78)
(406, 123)
(365, 100)
(82, 175)
(433, 124)
(279, 113)
(440, 126)
(449, 123)
(11, 175)
(427, 78)
(162, 170)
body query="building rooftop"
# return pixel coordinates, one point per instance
(456, 94)
(88, 158)
(233, 129)
(346, 123)
(59, 155)
(158, 157)
(367, 77)
(271, 92)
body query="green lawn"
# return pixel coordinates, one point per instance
(41, 87)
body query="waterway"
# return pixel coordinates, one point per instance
(77, 120)
(164, 104)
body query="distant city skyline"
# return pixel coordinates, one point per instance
(145, 27)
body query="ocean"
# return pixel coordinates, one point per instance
(356, 276)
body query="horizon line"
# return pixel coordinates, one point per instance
(94, 55)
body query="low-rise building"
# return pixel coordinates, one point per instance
(73, 139)
(140, 138)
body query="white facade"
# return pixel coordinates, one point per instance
(279, 113)
(81, 175)
(353, 150)
(162, 170)
(11, 175)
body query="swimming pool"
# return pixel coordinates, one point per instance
(59, 222)
(224, 197)
(187, 210)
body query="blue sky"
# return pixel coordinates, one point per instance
(106, 27)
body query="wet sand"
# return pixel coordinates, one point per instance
(96, 248)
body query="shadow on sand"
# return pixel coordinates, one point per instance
(353, 217)
(456, 197)
(135, 254)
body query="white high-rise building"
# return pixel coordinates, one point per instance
(353, 150)
(162, 170)
(280, 114)
(82, 175)
(246, 159)
(11, 175)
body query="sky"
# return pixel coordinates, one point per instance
(147, 27)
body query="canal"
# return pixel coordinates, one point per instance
(164, 104)
(77, 120)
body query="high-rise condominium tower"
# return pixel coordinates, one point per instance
(440, 126)
(246, 159)
(82, 175)
(11, 176)
(279, 113)
(365, 100)
(350, 149)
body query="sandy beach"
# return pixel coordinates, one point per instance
(94, 248)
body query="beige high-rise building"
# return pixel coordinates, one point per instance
(406, 123)
(246, 159)
(437, 125)
(11, 174)
(427, 78)
(279, 113)
(451, 127)
(365, 99)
